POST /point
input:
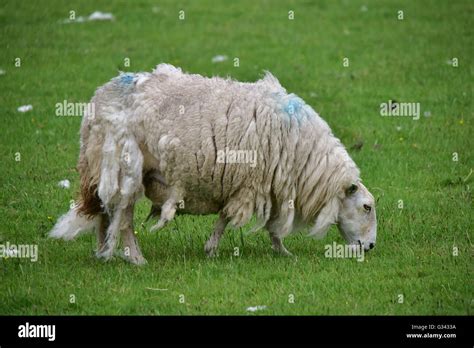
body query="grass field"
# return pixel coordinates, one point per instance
(404, 162)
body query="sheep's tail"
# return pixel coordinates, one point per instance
(85, 215)
(89, 203)
(73, 223)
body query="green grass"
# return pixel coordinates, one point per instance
(389, 59)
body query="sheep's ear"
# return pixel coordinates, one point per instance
(326, 217)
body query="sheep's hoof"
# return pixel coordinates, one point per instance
(282, 251)
(158, 226)
(210, 249)
(106, 254)
(136, 259)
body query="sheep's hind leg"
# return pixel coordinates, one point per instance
(211, 245)
(101, 232)
(112, 236)
(131, 250)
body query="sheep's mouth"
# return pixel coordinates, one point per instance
(359, 246)
(366, 246)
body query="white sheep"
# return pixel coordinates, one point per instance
(217, 146)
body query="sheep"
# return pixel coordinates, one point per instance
(216, 146)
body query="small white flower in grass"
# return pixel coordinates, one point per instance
(363, 8)
(2, 72)
(219, 58)
(399, 128)
(256, 308)
(25, 108)
(427, 113)
(64, 184)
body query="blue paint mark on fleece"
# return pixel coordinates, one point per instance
(293, 107)
(127, 78)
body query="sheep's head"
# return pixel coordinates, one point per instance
(354, 216)
(356, 219)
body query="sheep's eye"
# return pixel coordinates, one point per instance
(352, 189)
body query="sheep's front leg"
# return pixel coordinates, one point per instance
(277, 245)
(211, 245)
(131, 250)
(277, 231)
